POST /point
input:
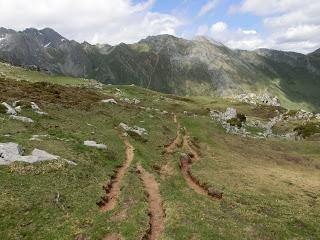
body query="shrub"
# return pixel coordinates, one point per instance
(235, 122)
(308, 129)
(241, 117)
(3, 109)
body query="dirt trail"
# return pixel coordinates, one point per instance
(155, 204)
(185, 163)
(113, 189)
(187, 145)
(169, 148)
(192, 183)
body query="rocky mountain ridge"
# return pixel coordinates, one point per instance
(169, 64)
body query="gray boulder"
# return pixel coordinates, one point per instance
(22, 119)
(12, 152)
(229, 114)
(111, 100)
(10, 110)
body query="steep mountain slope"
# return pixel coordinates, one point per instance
(171, 65)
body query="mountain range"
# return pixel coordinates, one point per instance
(169, 64)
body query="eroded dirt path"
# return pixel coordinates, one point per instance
(170, 148)
(195, 156)
(156, 211)
(113, 188)
(185, 162)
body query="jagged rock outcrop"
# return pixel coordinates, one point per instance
(255, 99)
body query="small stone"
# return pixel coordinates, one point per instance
(22, 119)
(111, 100)
(94, 144)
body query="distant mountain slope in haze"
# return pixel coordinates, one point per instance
(172, 65)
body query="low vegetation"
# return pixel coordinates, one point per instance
(308, 129)
(270, 186)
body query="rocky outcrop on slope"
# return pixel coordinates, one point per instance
(255, 99)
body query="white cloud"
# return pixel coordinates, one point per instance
(91, 20)
(292, 25)
(219, 27)
(243, 39)
(209, 6)
(202, 30)
(249, 32)
(268, 7)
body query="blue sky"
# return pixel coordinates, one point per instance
(250, 24)
(191, 8)
(290, 25)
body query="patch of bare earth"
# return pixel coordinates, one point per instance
(156, 211)
(113, 191)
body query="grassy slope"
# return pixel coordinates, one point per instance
(271, 187)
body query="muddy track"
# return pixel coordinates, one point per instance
(113, 189)
(156, 212)
(170, 147)
(185, 162)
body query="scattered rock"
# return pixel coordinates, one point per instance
(37, 137)
(229, 114)
(12, 152)
(111, 100)
(293, 136)
(254, 99)
(132, 101)
(138, 130)
(34, 106)
(136, 101)
(18, 109)
(94, 144)
(37, 109)
(300, 115)
(124, 126)
(22, 119)
(10, 110)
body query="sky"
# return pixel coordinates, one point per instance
(290, 25)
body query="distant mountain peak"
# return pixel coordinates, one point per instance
(167, 63)
(208, 40)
